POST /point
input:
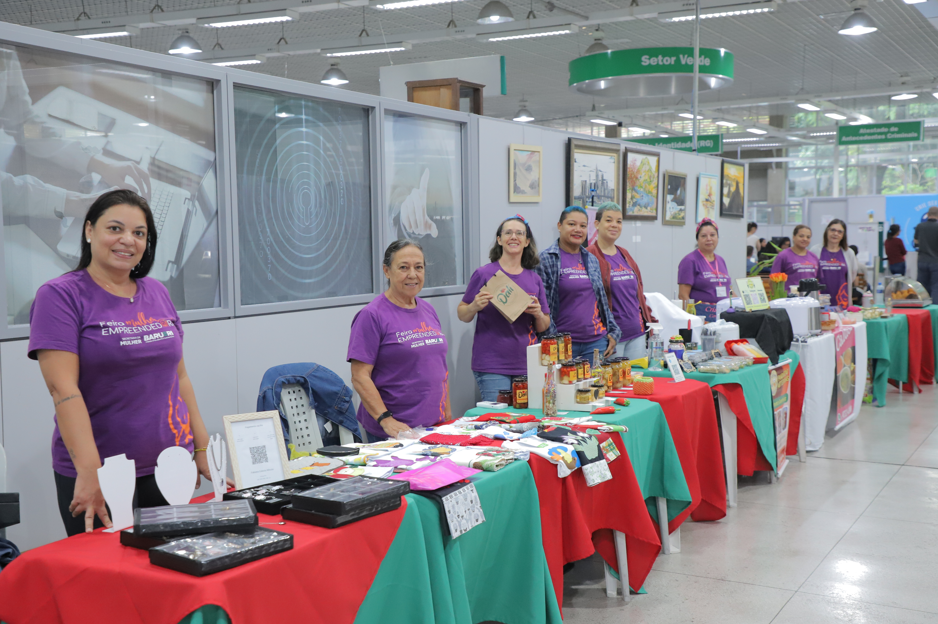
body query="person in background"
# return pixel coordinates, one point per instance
(622, 282)
(702, 275)
(859, 283)
(498, 347)
(109, 345)
(751, 239)
(750, 261)
(786, 243)
(926, 239)
(838, 264)
(398, 351)
(895, 250)
(575, 293)
(797, 262)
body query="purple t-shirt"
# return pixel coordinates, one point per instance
(128, 355)
(709, 281)
(795, 267)
(579, 310)
(407, 348)
(499, 346)
(623, 286)
(833, 276)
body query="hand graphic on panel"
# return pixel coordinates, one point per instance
(414, 217)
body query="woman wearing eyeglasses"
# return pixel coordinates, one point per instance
(838, 264)
(498, 348)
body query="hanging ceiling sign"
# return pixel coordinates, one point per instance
(895, 132)
(706, 143)
(650, 72)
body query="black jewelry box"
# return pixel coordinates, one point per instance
(271, 498)
(330, 521)
(349, 496)
(195, 519)
(144, 542)
(201, 555)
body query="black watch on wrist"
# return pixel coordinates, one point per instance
(387, 414)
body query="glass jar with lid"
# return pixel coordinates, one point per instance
(584, 396)
(507, 397)
(548, 351)
(519, 390)
(568, 372)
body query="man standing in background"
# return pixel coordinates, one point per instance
(926, 239)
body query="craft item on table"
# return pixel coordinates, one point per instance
(270, 498)
(356, 460)
(131, 539)
(206, 554)
(175, 475)
(118, 480)
(562, 455)
(489, 460)
(644, 386)
(435, 476)
(362, 471)
(230, 515)
(481, 440)
(337, 451)
(621, 401)
(498, 433)
(217, 454)
(313, 465)
(347, 501)
(435, 451)
(592, 462)
(609, 450)
(521, 428)
(463, 508)
(688, 366)
(439, 438)
(392, 462)
(507, 417)
(604, 410)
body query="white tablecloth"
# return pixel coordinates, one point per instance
(817, 358)
(861, 357)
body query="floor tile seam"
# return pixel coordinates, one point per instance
(776, 616)
(864, 461)
(934, 429)
(836, 513)
(864, 602)
(722, 580)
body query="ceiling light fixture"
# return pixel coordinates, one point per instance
(752, 9)
(237, 62)
(597, 46)
(858, 24)
(823, 133)
(334, 76)
(495, 13)
(526, 34)
(905, 96)
(523, 115)
(284, 115)
(368, 49)
(640, 129)
(808, 106)
(740, 139)
(663, 136)
(185, 44)
(688, 115)
(836, 116)
(410, 4)
(249, 19)
(604, 122)
(723, 122)
(913, 1)
(105, 33)
(756, 131)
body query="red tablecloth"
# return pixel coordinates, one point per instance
(692, 419)
(90, 575)
(577, 520)
(921, 346)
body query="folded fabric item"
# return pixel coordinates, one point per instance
(563, 455)
(481, 440)
(435, 476)
(450, 440)
(507, 417)
(499, 434)
(488, 460)
(587, 450)
(8, 552)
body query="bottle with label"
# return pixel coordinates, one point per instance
(549, 396)
(596, 370)
(879, 293)
(657, 351)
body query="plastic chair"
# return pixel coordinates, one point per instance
(303, 425)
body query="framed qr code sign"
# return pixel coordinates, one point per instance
(258, 452)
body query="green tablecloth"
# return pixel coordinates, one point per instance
(651, 450)
(496, 571)
(755, 383)
(887, 345)
(933, 310)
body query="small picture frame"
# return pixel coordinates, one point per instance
(733, 189)
(674, 198)
(708, 196)
(525, 166)
(641, 185)
(258, 452)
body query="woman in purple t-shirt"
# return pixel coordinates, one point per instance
(702, 275)
(109, 344)
(838, 264)
(498, 347)
(798, 262)
(398, 352)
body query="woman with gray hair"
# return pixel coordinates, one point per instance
(398, 352)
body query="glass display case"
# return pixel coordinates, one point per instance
(903, 292)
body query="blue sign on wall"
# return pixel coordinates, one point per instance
(908, 211)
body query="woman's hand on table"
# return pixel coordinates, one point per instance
(89, 500)
(201, 462)
(611, 349)
(393, 427)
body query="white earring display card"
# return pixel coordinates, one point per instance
(176, 475)
(118, 480)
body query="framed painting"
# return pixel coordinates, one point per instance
(641, 185)
(708, 190)
(593, 177)
(674, 202)
(733, 189)
(524, 173)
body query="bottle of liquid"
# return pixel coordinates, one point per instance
(879, 293)
(598, 371)
(657, 351)
(549, 403)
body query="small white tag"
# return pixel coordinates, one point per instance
(721, 291)
(674, 367)
(463, 510)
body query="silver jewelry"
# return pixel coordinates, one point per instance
(87, 240)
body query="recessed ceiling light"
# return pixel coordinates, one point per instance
(106, 33)
(718, 12)
(237, 62)
(756, 131)
(688, 116)
(740, 139)
(604, 122)
(809, 107)
(409, 4)
(526, 34)
(249, 19)
(367, 49)
(914, 159)
(905, 96)
(836, 116)
(728, 124)
(913, 1)
(663, 136)
(143, 124)
(822, 133)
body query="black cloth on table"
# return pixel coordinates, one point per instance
(770, 328)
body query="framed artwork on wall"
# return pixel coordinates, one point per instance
(524, 173)
(641, 185)
(708, 193)
(733, 189)
(674, 200)
(592, 177)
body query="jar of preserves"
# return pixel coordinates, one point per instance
(507, 397)
(568, 372)
(584, 397)
(599, 390)
(548, 351)
(607, 376)
(568, 345)
(626, 372)
(519, 388)
(580, 371)
(618, 377)
(586, 369)
(562, 355)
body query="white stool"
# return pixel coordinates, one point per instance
(623, 563)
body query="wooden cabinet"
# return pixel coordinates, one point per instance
(451, 93)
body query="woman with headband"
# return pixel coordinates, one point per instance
(797, 262)
(575, 293)
(702, 275)
(498, 348)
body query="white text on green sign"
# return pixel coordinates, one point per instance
(894, 132)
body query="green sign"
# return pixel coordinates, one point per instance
(895, 132)
(706, 143)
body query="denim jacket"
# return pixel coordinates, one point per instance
(328, 394)
(549, 270)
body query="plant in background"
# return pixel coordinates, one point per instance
(777, 281)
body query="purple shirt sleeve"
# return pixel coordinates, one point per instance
(685, 270)
(541, 293)
(476, 282)
(365, 339)
(54, 321)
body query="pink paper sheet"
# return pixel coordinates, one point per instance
(435, 476)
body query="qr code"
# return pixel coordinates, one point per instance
(258, 455)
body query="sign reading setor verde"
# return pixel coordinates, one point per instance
(893, 132)
(706, 143)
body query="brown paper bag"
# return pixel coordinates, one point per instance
(508, 298)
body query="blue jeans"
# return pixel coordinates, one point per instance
(585, 349)
(928, 276)
(897, 268)
(490, 383)
(632, 349)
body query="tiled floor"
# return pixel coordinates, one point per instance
(849, 536)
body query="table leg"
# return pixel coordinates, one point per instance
(623, 562)
(802, 451)
(670, 543)
(728, 429)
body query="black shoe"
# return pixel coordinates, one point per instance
(567, 567)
